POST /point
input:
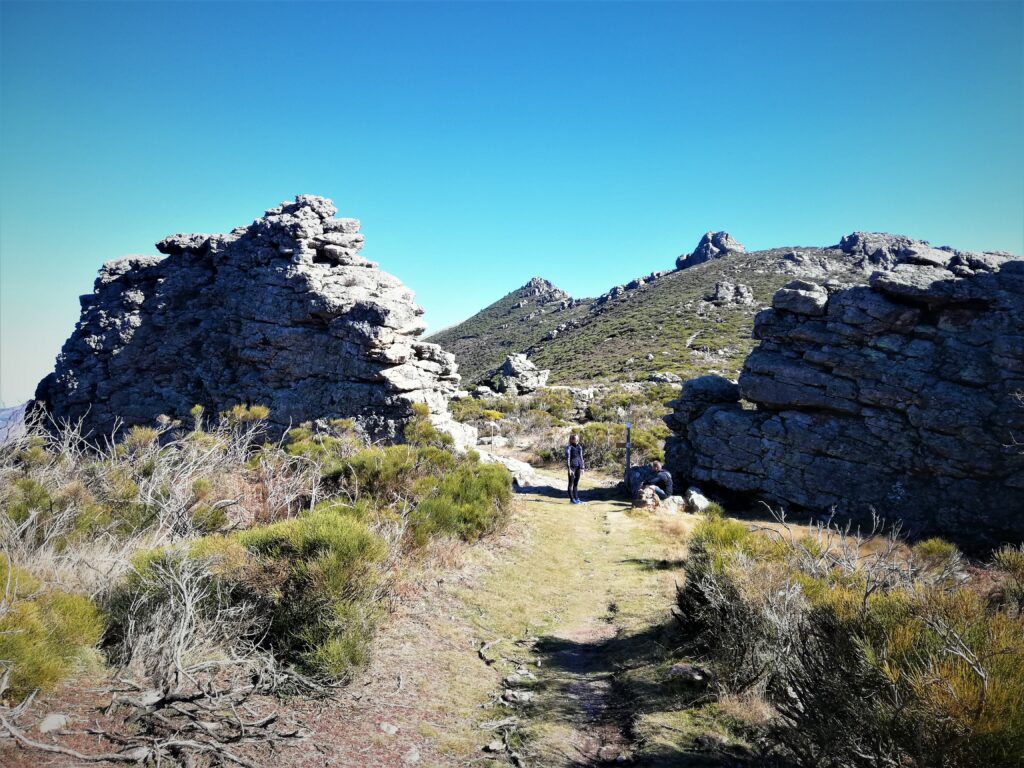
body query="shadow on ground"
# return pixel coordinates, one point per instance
(619, 681)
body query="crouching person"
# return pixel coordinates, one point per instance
(660, 482)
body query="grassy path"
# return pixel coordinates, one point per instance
(545, 646)
(549, 646)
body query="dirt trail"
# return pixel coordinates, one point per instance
(507, 651)
(610, 591)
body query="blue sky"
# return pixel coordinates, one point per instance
(484, 143)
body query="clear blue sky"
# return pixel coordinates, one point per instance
(484, 143)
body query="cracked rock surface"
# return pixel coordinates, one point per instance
(283, 313)
(900, 397)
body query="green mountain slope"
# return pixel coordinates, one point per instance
(515, 322)
(662, 322)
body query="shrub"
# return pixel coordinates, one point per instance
(26, 496)
(870, 654)
(311, 578)
(557, 402)
(469, 502)
(1010, 560)
(42, 631)
(240, 414)
(604, 445)
(325, 447)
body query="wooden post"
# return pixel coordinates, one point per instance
(629, 446)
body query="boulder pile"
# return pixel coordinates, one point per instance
(900, 398)
(714, 245)
(519, 376)
(283, 313)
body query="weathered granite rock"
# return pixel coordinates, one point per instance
(731, 294)
(897, 397)
(713, 245)
(801, 297)
(282, 313)
(519, 376)
(665, 377)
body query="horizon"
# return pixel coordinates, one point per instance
(484, 144)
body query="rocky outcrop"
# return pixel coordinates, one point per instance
(898, 398)
(714, 245)
(728, 294)
(519, 376)
(284, 313)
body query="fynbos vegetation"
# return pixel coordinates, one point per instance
(869, 651)
(212, 569)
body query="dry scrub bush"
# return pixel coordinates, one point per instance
(226, 568)
(872, 653)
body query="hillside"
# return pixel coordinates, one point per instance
(513, 323)
(666, 321)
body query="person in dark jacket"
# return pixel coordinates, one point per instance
(661, 482)
(575, 465)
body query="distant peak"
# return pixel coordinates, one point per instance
(713, 245)
(538, 286)
(541, 284)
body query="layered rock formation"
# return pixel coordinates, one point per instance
(713, 245)
(282, 313)
(900, 398)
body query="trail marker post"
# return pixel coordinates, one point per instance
(629, 445)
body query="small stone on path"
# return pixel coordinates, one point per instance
(53, 722)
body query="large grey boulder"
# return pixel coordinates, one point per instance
(898, 398)
(284, 313)
(519, 376)
(731, 294)
(714, 245)
(801, 297)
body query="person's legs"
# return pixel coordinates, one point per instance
(659, 491)
(574, 481)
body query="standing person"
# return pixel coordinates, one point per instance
(574, 463)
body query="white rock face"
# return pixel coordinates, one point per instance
(282, 313)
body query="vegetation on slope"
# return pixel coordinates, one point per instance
(868, 651)
(512, 324)
(215, 566)
(611, 338)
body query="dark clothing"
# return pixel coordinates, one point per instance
(662, 480)
(574, 456)
(574, 482)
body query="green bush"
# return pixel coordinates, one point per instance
(867, 660)
(325, 447)
(43, 632)
(311, 578)
(419, 431)
(604, 445)
(240, 414)
(24, 497)
(469, 502)
(557, 402)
